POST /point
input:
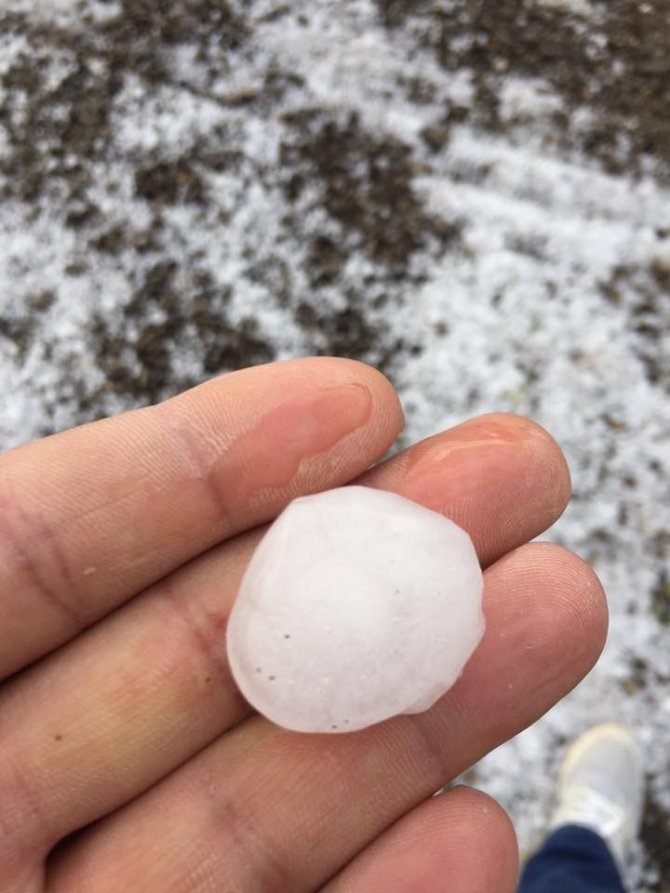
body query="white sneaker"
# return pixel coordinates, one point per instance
(601, 787)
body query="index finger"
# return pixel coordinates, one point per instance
(90, 516)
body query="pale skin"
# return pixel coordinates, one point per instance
(129, 759)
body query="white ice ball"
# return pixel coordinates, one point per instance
(357, 605)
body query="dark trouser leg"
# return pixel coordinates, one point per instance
(572, 860)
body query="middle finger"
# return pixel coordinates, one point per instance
(134, 697)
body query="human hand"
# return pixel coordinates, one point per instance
(129, 759)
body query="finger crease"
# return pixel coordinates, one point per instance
(41, 559)
(207, 630)
(28, 812)
(203, 469)
(270, 873)
(431, 756)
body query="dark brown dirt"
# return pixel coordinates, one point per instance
(644, 295)
(72, 119)
(366, 187)
(655, 837)
(171, 182)
(54, 143)
(660, 599)
(140, 365)
(620, 70)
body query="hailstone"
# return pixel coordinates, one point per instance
(357, 605)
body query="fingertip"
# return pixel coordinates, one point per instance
(325, 370)
(566, 597)
(470, 838)
(385, 396)
(487, 822)
(581, 593)
(462, 836)
(501, 477)
(546, 458)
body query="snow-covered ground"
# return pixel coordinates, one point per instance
(474, 197)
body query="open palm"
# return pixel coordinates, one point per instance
(130, 762)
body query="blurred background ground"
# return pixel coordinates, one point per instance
(473, 196)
